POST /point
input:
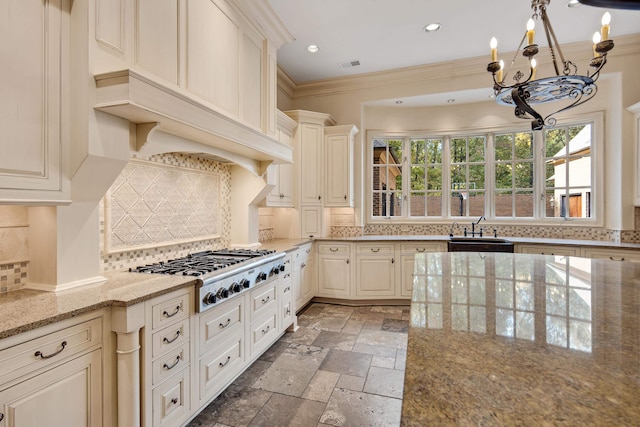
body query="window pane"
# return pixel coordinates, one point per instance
(524, 204)
(458, 177)
(555, 141)
(395, 149)
(503, 175)
(418, 175)
(418, 151)
(396, 204)
(434, 177)
(458, 150)
(417, 203)
(458, 204)
(524, 175)
(379, 177)
(503, 147)
(476, 204)
(434, 203)
(504, 203)
(434, 151)
(476, 149)
(524, 145)
(476, 177)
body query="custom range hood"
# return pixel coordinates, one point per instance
(166, 119)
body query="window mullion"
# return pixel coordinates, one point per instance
(446, 177)
(489, 177)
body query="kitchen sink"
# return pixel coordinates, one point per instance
(479, 244)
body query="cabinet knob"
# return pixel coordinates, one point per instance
(1, 417)
(348, 261)
(319, 197)
(345, 197)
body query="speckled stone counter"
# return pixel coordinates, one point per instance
(515, 339)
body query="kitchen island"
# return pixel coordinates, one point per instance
(520, 339)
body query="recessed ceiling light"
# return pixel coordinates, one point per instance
(313, 48)
(430, 28)
(573, 3)
(451, 100)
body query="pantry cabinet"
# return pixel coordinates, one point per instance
(34, 106)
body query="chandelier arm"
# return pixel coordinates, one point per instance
(585, 95)
(513, 61)
(523, 110)
(553, 42)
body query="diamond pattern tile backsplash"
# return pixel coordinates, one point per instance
(155, 204)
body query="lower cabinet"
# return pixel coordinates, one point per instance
(548, 250)
(612, 254)
(334, 270)
(375, 270)
(302, 277)
(53, 376)
(408, 253)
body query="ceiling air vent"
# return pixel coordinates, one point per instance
(349, 64)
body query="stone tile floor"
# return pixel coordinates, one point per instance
(344, 366)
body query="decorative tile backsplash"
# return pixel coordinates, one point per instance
(14, 247)
(164, 207)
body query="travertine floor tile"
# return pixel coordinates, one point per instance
(395, 325)
(337, 340)
(236, 406)
(383, 362)
(375, 350)
(252, 373)
(321, 386)
(352, 408)
(287, 411)
(384, 382)
(383, 338)
(347, 362)
(351, 382)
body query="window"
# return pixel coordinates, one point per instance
(505, 174)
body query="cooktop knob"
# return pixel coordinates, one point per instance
(222, 293)
(275, 270)
(245, 283)
(281, 267)
(209, 298)
(261, 276)
(235, 287)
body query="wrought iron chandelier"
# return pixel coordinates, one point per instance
(567, 84)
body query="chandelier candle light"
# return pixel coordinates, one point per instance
(566, 85)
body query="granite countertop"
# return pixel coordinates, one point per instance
(519, 339)
(23, 310)
(445, 238)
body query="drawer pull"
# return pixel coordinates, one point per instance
(288, 311)
(224, 325)
(1, 417)
(287, 275)
(308, 251)
(616, 259)
(222, 365)
(334, 249)
(168, 368)
(42, 356)
(287, 289)
(264, 331)
(420, 249)
(375, 250)
(266, 300)
(174, 400)
(303, 265)
(166, 313)
(169, 341)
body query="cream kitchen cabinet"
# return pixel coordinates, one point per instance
(375, 270)
(635, 110)
(54, 375)
(407, 256)
(302, 276)
(281, 175)
(310, 144)
(285, 290)
(612, 254)
(167, 352)
(34, 106)
(334, 270)
(560, 250)
(338, 165)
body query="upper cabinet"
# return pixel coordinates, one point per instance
(635, 109)
(281, 175)
(338, 165)
(209, 75)
(34, 41)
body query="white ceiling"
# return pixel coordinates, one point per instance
(388, 34)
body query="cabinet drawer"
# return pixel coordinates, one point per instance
(612, 254)
(47, 350)
(549, 250)
(333, 249)
(219, 323)
(171, 400)
(170, 363)
(170, 338)
(263, 333)
(376, 249)
(219, 366)
(302, 254)
(263, 299)
(166, 312)
(413, 248)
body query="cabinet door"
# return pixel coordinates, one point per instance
(280, 176)
(338, 159)
(334, 275)
(375, 276)
(306, 281)
(407, 257)
(311, 136)
(67, 395)
(312, 221)
(33, 83)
